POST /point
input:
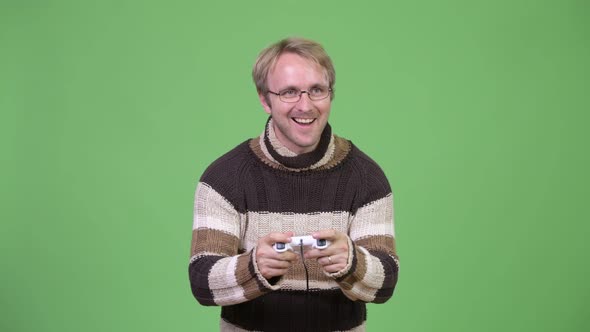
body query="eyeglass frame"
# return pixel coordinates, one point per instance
(299, 95)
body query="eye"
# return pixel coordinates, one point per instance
(290, 93)
(317, 91)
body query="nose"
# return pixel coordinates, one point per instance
(305, 104)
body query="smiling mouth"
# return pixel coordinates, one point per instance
(303, 121)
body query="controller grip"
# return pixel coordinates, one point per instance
(321, 244)
(281, 247)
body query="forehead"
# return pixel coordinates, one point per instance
(294, 70)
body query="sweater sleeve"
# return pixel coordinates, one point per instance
(372, 270)
(219, 272)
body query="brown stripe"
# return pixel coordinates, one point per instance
(199, 278)
(341, 149)
(255, 147)
(359, 273)
(379, 243)
(213, 241)
(247, 278)
(383, 248)
(390, 270)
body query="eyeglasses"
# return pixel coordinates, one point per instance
(294, 95)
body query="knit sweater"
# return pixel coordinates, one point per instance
(261, 187)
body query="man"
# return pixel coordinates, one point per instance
(296, 179)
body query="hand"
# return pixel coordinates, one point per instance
(271, 263)
(335, 257)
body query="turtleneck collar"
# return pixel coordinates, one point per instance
(287, 158)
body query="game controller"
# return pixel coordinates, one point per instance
(306, 240)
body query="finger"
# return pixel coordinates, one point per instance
(324, 261)
(327, 234)
(330, 260)
(288, 256)
(317, 253)
(333, 268)
(314, 253)
(273, 238)
(270, 272)
(268, 253)
(274, 264)
(265, 252)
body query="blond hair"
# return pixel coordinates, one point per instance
(305, 48)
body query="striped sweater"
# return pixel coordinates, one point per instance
(261, 187)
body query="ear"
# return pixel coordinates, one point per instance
(264, 103)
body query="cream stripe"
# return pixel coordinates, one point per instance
(203, 254)
(276, 144)
(265, 150)
(223, 283)
(360, 328)
(366, 288)
(213, 211)
(374, 268)
(374, 219)
(229, 327)
(285, 152)
(327, 156)
(292, 284)
(222, 273)
(298, 223)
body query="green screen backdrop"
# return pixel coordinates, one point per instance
(476, 110)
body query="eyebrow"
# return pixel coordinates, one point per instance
(289, 87)
(292, 87)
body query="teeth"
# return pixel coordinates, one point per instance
(302, 120)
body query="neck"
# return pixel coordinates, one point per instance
(296, 159)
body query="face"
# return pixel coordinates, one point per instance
(297, 125)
